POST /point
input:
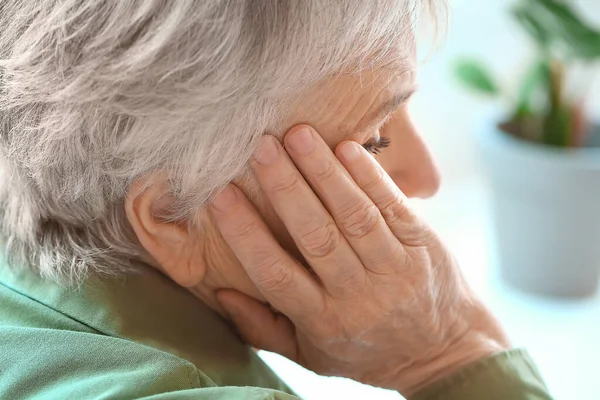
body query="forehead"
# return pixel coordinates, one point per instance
(351, 95)
(342, 105)
(391, 74)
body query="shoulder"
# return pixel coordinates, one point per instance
(49, 363)
(70, 364)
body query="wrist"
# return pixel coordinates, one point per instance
(484, 339)
(448, 364)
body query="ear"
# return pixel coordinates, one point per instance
(177, 251)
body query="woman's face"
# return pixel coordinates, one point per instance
(370, 109)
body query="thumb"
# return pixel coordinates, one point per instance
(258, 324)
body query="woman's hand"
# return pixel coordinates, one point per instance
(384, 304)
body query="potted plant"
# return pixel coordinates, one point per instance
(542, 158)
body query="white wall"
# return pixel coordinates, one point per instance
(447, 114)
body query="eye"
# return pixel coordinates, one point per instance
(374, 146)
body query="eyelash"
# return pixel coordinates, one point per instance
(374, 146)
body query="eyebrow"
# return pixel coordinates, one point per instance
(386, 108)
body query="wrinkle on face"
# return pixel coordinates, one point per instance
(352, 107)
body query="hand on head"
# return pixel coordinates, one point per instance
(383, 302)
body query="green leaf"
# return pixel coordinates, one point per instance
(561, 9)
(587, 48)
(531, 22)
(575, 37)
(475, 76)
(535, 84)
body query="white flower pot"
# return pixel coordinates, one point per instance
(546, 206)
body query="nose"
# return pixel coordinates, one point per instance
(407, 160)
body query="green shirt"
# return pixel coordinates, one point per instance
(144, 337)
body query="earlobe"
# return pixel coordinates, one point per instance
(169, 243)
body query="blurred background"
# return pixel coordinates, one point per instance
(562, 334)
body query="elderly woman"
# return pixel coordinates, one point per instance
(126, 248)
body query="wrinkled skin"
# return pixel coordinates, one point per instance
(384, 302)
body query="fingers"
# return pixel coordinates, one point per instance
(258, 325)
(357, 217)
(281, 280)
(306, 219)
(382, 190)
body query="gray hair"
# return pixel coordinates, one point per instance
(95, 94)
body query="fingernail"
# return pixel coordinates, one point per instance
(225, 200)
(302, 141)
(350, 151)
(267, 152)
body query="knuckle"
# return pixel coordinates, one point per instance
(394, 208)
(325, 173)
(360, 220)
(285, 185)
(245, 229)
(387, 263)
(274, 278)
(320, 241)
(265, 262)
(417, 235)
(374, 182)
